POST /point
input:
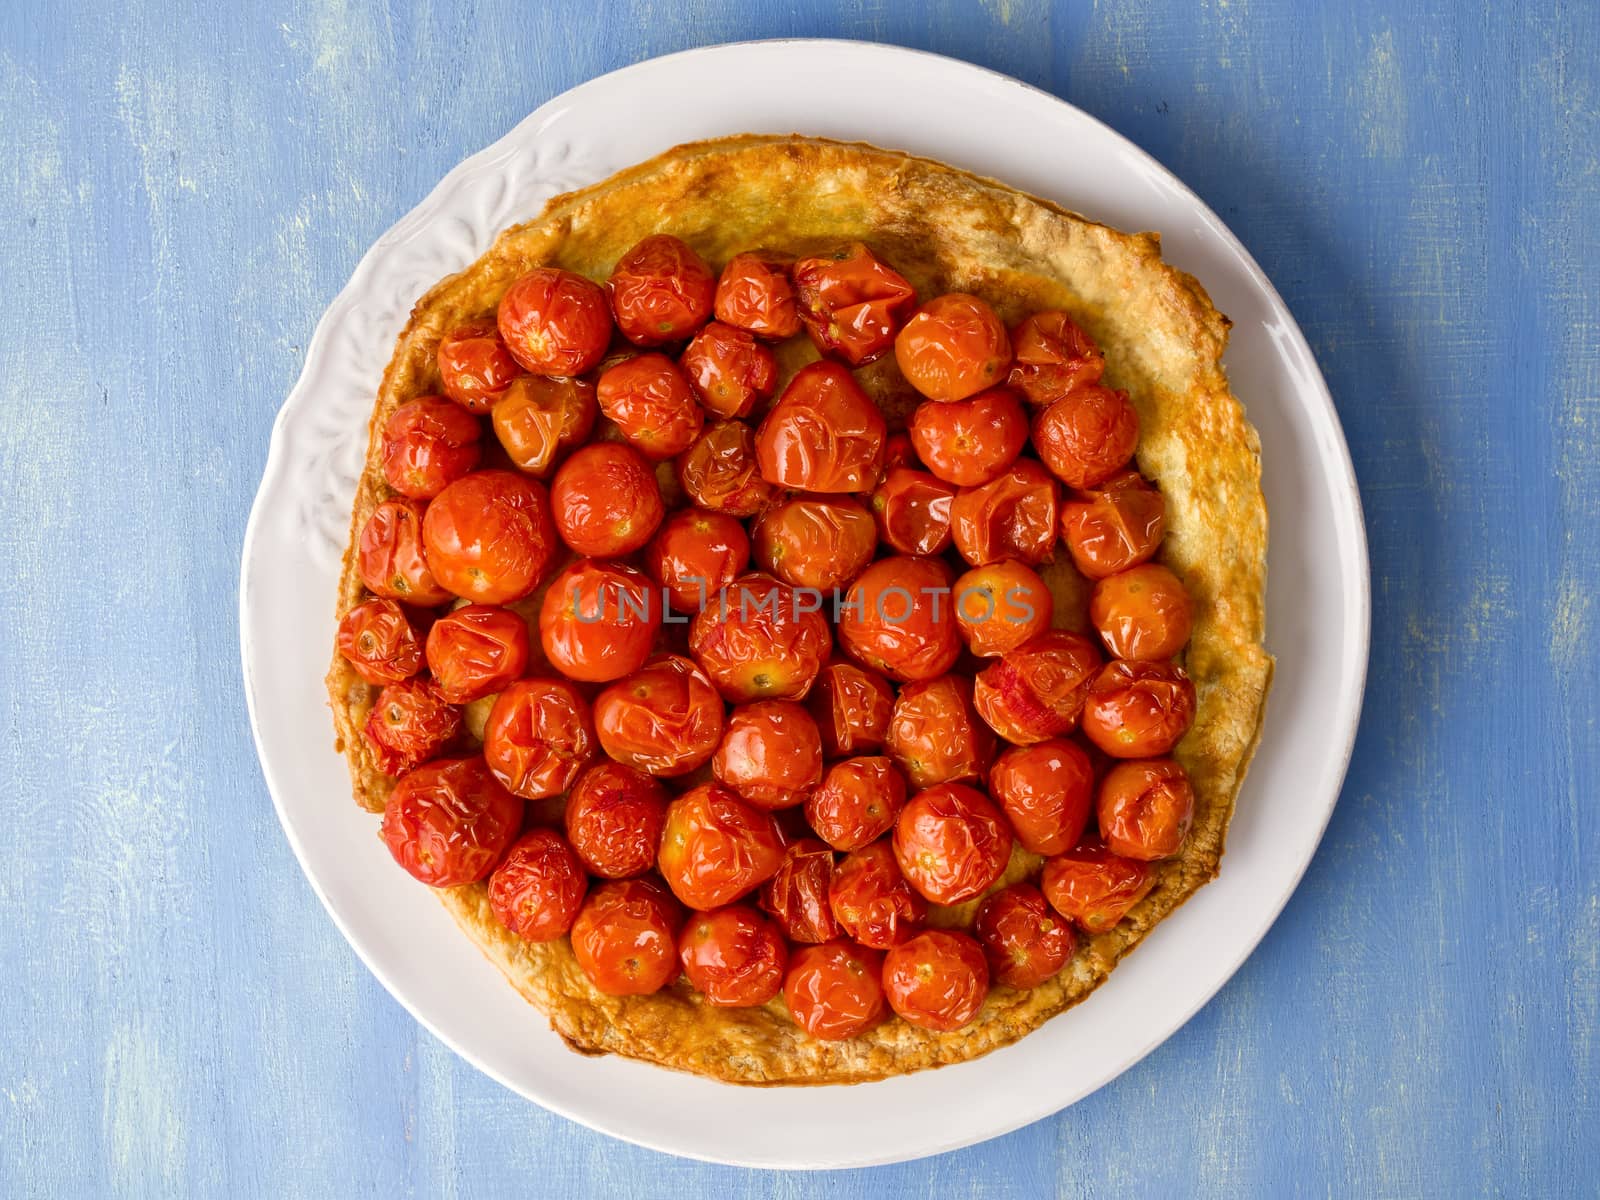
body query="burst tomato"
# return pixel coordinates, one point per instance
(872, 900)
(851, 705)
(614, 818)
(476, 650)
(912, 509)
(1087, 436)
(970, 442)
(409, 724)
(1025, 941)
(1046, 792)
(1114, 528)
(1145, 808)
(1037, 691)
(555, 322)
(696, 554)
(648, 399)
(797, 893)
(951, 842)
(760, 640)
(719, 472)
(852, 302)
(1001, 606)
(1094, 887)
(716, 848)
(824, 434)
(857, 803)
(427, 445)
(599, 620)
(937, 980)
(729, 370)
(1139, 709)
(625, 937)
(540, 418)
(754, 294)
(1142, 613)
(1011, 516)
(935, 735)
(817, 542)
(390, 556)
(770, 754)
(449, 821)
(539, 736)
(896, 618)
(834, 990)
(539, 886)
(1053, 356)
(488, 536)
(661, 291)
(734, 956)
(475, 367)
(953, 346)
(606, 500)
(378, 640)
(665, 718)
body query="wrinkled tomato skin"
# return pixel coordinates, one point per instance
(1037, 691)
(1000, 606)
(716, 848)
(1143, 613)
(598, 621)
(760, 640)
(448, 822)
(1046, 792)
(1088, 436)
(648, 399)
(953, 347)
(1094, 887)
(427, 445)
(834, 991)
(970, 442)
(816, 542)
(935, 735)
(606, 500)
(540, 734)
(475, 368)
(951, 842)
(824, 434)
(734, 956)
(1119, 526)
(625, 937)
(488, 536)
(896, 618)
(1012, 516)
(390, 556)
(540, 418)
(555, 322)
(797, 894)
(1145, 808)
(851, 705)
(897, 452)
(380, 643)
(857, 802)
(695, 554)
(937, 980)
(912, 509)
(661, 291)
(770, 754)
(852, 303)
(477, 650)
(665, 719)
(614, 818)
(754, 294)
(1024, 939)
(1052, 356)
(539, 886)
(729, 370)
(1139, 709)
(871, 899)
(409, 724)
(719, 471)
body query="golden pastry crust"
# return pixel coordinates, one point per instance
(945, 230)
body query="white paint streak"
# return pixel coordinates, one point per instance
(1380, 96)
(145, 1139)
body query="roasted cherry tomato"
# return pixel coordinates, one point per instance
(1046, 792)
(1011, 516)
(1114, 528)
(427, 445)
(488, 536)
(818, 542)
(729, 370)
(626, 937)
(896, 618)
(824, 434)
(1088, 436)
(970, 442)
(390, 557)
(614, 819)
(759, 639)
(897, 452)
(797, 894)
(1052, 357)
(449, 821)
(474, 366)
(1024, 939)
(852, 302)
(857, 803)
(606, 500)
(1139, 709)
(1000, 606)
(541, 418)
(719, 472)
(598, 621)
(539, 736)
(952, 347)
(834, 990)
(696, 554)
(771, 754)
(937, 980)
(1142, 613)
(409, 724)
(1037, 691)
(754, 294)
(648, 399)
(661, 291)
(1094, 887)
(1145, 808)
(380, 642)
(951, 842)
(852, 706)
(872, 900)
(555, 322)
(716, 848)
(734, 956)
(935, 735)
(539, 886)
(476, 650)
(913, 511)
(665, 718)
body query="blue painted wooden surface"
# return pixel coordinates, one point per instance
(182, 191)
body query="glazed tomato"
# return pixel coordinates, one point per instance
(896, 618)
(824, 434)
(935, 735)
(1139, 709)
(428, 444)
(834, 990)
(649, 400)
(474, 366)
(626, 937)
(1142, 613)
(851, 705)
(952, 347)
(970, 442)
(539, 736)
(379, 642)
(449, 821)
(1037, 691)
(665, 718)
(390, 558)
(488, 536)
(771, 754)
(1024, 939)
(797, 894)
(1011, 516)
(871, 899)
(818, 542)
(1052, 357)
(755, 294)
(1088, 436)
(734, 957)
(599, 620)
(1000, 606)
(715, 847)
(852, 302)
(1046, 792)
(1145, 808)
(719, 472)
(897, 452)
(538, 887)
(614, 819)
(1117, 527)
(729, 370)
(661, 291)
(409, 724)
(912, 509)
(606, 500)
(857, 803)
(1094, 887)
(695, 554)
(477, 650)
(761, 640)
(951, 842)
(543, 417)
(555, 322)
(937, 980)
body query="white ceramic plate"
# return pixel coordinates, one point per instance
(1317, 621)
